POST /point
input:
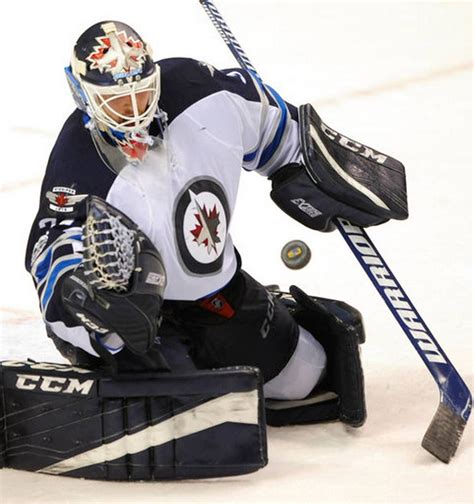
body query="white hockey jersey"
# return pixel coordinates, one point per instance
(182, 195)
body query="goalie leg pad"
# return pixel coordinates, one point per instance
(340, 396)
(64, 420)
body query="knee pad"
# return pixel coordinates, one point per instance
(302, 372)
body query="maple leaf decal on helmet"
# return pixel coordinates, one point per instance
(117, 53)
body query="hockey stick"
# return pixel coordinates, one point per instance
(445, 431)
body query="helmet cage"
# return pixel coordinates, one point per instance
(100, 103)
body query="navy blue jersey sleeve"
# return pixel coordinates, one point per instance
(55, 247)
(55, 243)
(268, 123)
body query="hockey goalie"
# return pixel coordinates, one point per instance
(178, 357)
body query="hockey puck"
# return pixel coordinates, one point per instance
(296, 254)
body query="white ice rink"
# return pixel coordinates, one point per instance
(396, 76)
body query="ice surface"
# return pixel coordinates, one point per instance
(396, 76)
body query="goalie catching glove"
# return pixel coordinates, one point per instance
(340, 178)
(118, 287)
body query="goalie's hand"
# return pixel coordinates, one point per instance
(119, 285)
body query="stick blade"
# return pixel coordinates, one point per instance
(444, 433)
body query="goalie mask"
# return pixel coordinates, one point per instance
(116, 83)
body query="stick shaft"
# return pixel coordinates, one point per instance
(228, 37)
(454, 392)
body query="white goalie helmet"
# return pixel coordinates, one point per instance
(115, 82)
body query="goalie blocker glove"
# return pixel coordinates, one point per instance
(340, 178)
(118, 287)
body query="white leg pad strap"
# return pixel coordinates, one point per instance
(302, 372)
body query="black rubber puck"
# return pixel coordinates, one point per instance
(295, 254)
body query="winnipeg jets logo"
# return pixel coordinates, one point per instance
(201, 219)
(205, 233)
(204, 225)
(117, 53)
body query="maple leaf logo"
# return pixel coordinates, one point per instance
(117, 53)
(205, 231)
(61, 199)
